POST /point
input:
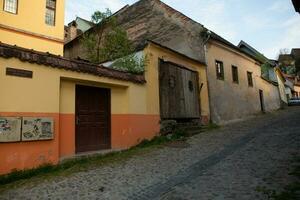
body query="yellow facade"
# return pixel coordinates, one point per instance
(281, 86)
(297, 90)
(29, 30)
(155, 53)
(51, 92)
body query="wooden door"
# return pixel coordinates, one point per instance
(262, 101)
(92, 119)
(178, 91)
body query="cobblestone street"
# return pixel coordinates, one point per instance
(226, 163)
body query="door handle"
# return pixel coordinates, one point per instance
(77, 120)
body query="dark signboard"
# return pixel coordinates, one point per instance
(18, 72)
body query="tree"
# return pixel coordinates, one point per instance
(107, 41)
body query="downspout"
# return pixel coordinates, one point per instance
(206, 62)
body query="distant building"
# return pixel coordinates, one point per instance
(41, 31)
(290, 63)
(267, 66)
(76, 27)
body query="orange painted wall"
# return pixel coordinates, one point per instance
(25, 155)
(129, 130)
(67, 135)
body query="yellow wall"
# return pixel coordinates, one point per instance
(53, 90)
(51, 93)
(297, 89)
(42, 92)
(155, 53)
(281, 86)
(30, 30)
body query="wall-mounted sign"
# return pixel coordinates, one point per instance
(10, 129)
(18, 72)
(40, 128)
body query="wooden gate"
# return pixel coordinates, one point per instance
(178, 92)
(92, 119)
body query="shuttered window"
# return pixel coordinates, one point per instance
(50, 12)
(220, 70)
(11, 6)
(235, 75)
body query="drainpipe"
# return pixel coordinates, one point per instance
(207, 82)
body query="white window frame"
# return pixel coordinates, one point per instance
(6, 8)
(52, 9)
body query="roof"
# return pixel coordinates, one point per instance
(284, 57)
(153, 20)
(296, 4)
(216, 37)
(86, 21)
(54, 61)
(248, 49)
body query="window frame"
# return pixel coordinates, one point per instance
(220, 76)
(17, 6)
(233, 67)
(52, 9)
(250, 81)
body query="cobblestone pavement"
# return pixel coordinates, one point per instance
(227, 163)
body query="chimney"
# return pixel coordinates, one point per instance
(72, 30)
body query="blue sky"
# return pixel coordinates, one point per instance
(267, 25)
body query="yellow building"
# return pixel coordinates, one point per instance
(34, 24)
(53, 108)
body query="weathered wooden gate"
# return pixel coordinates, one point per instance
(178, 92)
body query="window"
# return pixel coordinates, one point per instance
(220, 70)
(11, 6)
(235, 75)
(250, 80)
(50, 12)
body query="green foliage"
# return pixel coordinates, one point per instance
(89, 41)
(98, 16)
(115, 45)
(265, 70)
(131, 63)
(109, 42)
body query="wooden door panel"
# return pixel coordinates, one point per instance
(178, 92)
(92, 118)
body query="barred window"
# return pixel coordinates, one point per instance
(11, 6)
(50, 12)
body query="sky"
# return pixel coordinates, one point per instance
(267, 25)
